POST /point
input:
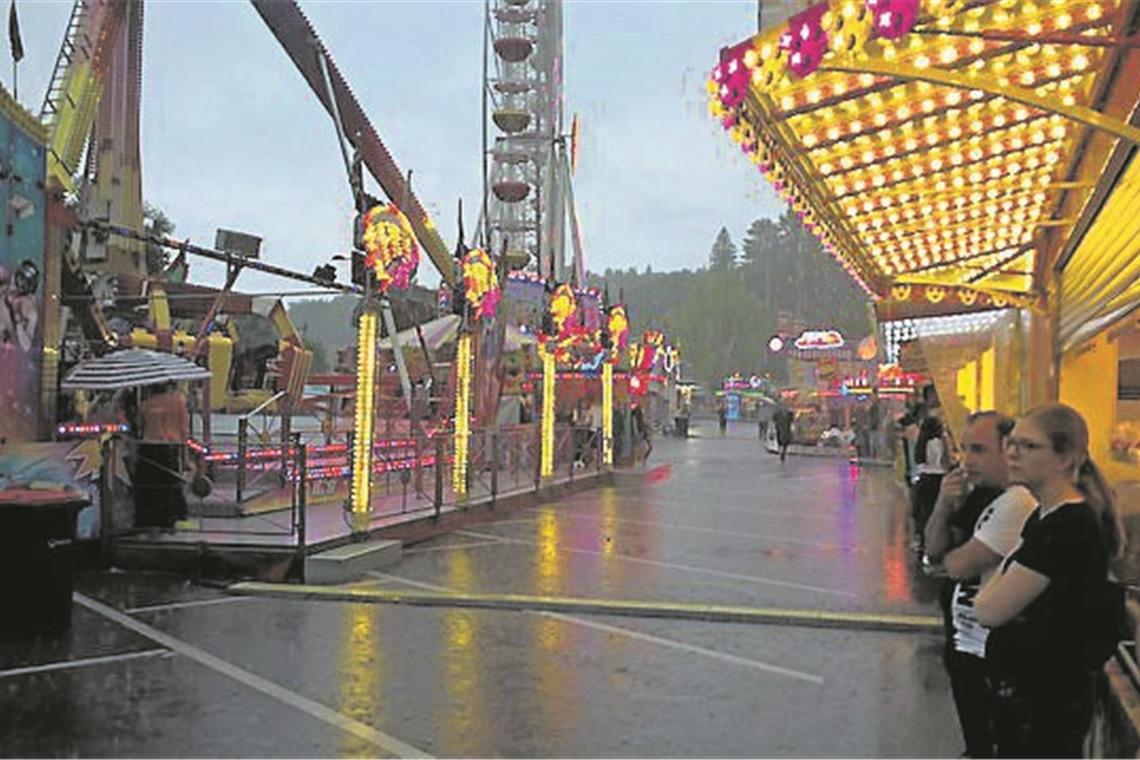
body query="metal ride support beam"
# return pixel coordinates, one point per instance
(301, 43)
(934, 75)
(209, 253)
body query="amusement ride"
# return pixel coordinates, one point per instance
(514, 320)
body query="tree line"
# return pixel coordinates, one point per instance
(724, 313)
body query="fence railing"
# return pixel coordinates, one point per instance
(260, 488)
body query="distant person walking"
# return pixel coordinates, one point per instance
(722, 417)
(782, 419)
(640, 432)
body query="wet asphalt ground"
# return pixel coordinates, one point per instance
(157, 667)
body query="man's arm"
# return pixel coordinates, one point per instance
(937, 534)
(998, 535)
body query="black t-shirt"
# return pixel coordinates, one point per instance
(961, 523)
(1056, 629)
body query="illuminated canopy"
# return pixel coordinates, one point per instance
(926, 143)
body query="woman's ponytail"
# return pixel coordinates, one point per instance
(1100, 496)
(1069, 434)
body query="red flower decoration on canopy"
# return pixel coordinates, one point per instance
(805, 40)
(893, 18)
(390, 246)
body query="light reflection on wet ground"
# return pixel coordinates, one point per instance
(727, 524)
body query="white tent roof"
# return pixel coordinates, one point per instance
(132, 368)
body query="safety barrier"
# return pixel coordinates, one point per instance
(264, 489)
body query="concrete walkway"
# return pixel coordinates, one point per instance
(156, 666)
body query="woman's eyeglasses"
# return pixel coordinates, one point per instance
(1024, 445)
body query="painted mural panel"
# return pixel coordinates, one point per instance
(22, 213)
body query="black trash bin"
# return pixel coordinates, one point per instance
(37, 562)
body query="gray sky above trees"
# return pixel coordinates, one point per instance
(233, 138)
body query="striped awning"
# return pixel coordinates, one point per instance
(132, 368)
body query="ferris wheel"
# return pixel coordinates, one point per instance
(527, 155)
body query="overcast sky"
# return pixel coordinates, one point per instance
(232, 137)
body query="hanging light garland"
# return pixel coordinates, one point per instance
(618, 324)
(391, 251)
(481, 283)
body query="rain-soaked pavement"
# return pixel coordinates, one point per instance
(155, 666)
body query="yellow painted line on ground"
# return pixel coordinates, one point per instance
(716, 613)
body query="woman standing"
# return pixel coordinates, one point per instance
(1051, 603)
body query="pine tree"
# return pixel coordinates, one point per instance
(723, 254)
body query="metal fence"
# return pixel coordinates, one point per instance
(267, 488)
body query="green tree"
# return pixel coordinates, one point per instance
(156, 222)
(723, 327)
(321, 361)
(723, 254)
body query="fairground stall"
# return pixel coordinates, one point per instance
(972, 166)
(961, 158)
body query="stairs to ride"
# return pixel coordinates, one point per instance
(49, 112)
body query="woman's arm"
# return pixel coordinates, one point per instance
(1007, 594)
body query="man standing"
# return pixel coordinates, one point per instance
(976, 522)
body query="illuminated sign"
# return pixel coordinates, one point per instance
(737, 382)
(811, 340)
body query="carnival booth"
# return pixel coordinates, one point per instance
(745, 397)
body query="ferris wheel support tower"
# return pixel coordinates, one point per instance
(526, 159)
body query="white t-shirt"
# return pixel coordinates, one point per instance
(999, 528)
(935, 458)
